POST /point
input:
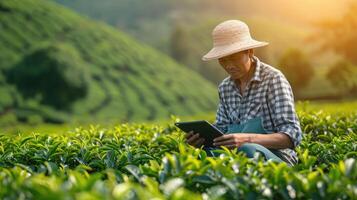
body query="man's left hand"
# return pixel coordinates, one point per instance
(232, 141)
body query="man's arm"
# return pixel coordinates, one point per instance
(272, 141)
(281, 101)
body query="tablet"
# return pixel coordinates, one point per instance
(204, 128)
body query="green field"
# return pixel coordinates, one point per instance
(151, 161)
(336, 107)
(344, 107)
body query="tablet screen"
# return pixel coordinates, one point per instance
(204, 128)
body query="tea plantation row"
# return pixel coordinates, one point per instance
(139, 161)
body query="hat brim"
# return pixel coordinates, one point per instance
(222, 51)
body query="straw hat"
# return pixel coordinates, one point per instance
(230, 37)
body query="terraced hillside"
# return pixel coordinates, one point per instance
(57, 66)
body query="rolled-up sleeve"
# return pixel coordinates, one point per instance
(281, 103)
(222, 119)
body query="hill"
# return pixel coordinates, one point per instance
(159, 23)
(58, 66)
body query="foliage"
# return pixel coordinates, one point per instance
(343, 75)
(55, 73)
(331, 107)
(297, 68)
(136, 161)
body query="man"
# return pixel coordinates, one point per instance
(256, 103)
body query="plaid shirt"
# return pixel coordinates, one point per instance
(268, 95)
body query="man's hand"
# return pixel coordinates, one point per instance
(194, 139)
(232, 141)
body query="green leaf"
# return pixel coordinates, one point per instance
(172, 185)
(135, 171)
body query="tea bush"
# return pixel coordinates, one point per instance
(148, 161)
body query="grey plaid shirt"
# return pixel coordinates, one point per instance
(268, 95)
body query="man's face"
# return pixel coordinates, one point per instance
(237, 65)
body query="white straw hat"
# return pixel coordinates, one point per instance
(230, 37)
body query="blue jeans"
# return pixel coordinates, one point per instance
(249, 149)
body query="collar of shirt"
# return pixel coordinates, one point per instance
(257, 75)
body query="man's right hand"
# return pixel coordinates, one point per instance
(194, 139)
